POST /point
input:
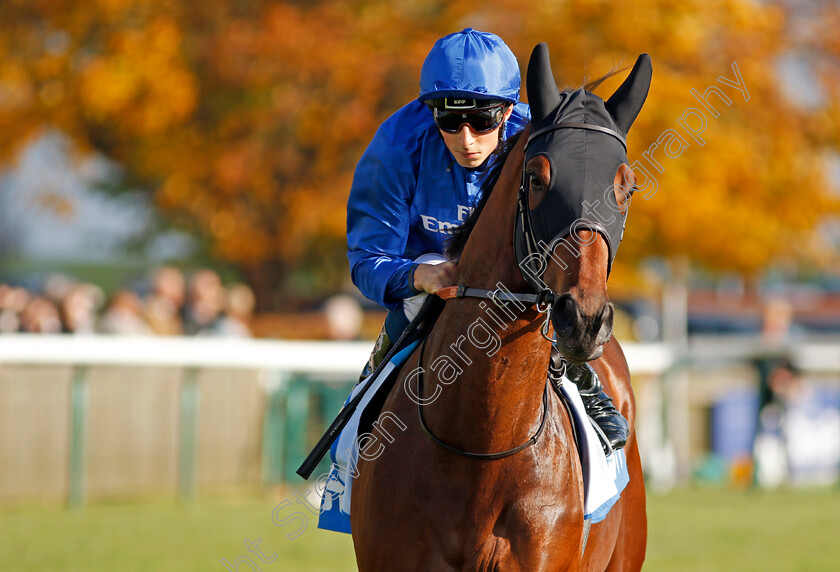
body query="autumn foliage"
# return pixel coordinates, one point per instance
(245, 119)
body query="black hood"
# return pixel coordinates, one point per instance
(583, 139)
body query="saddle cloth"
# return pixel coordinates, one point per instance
(344, 453)
(604, 477)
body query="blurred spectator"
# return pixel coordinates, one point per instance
(206, 300)
(40, 316)
(162, 317)
(13, 301)
(771, 447)
(57, 287)
(69, 306)
(79, 308)
(124, 315)
(344, 317)
(165, 305)
(238, 312)
(777, 324)
(169, 283)
(777, 388)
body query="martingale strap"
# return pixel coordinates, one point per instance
(497, 296)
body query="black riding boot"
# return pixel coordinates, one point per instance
(599, 406)
(380, 350)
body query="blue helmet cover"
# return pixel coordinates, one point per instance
(470, 62)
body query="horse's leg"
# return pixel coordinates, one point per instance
(618, 543)
(631, 544)
(629, 514)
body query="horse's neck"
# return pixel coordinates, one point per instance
(501, 355)
(489, 379)
(488, 257)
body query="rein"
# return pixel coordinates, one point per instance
(468, 454)
(497, 296)
(543, 301)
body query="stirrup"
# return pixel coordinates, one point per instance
(612, 427)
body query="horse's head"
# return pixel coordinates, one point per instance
(576, 188)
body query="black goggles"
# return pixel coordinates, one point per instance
(480, 121)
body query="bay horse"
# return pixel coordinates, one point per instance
(482, 473)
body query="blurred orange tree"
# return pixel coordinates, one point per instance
(245, 119)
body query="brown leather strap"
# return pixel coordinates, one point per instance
(447, 293)
(498, 296)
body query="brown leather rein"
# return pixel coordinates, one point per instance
(542, 303)
(499, 295)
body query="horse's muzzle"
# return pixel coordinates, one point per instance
(580, 336)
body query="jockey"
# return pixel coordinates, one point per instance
(421, 176)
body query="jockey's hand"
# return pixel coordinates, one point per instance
(432, 277)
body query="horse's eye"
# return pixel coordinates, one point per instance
(536, 183)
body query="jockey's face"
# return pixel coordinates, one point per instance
(469, 148)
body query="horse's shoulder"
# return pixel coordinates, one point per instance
(614, 372)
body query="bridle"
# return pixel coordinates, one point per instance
(542, 301)
(542, 297)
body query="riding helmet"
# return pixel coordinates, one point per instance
(470, 63)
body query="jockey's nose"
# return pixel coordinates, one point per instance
(465, 134)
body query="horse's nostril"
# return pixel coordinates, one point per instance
(568, 306)
(565, 316)
(608, 314)
(605, 329)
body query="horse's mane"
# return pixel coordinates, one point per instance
(458, 239)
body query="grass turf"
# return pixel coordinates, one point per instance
(689, 530)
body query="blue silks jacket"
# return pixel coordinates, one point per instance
(407, 191)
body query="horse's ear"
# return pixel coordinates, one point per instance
(627, 101)
(543, 95)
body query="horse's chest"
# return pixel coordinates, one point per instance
(522, 526)
(519, 513)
